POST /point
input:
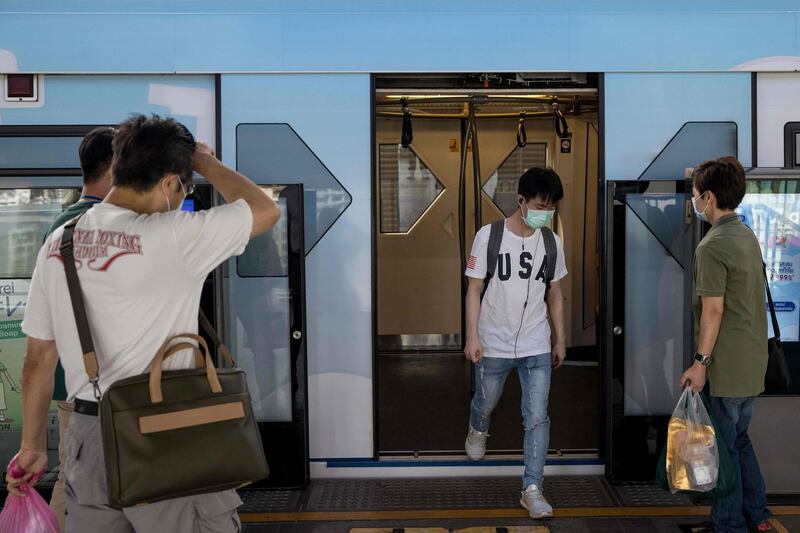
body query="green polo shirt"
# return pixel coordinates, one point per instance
(78, 208)
(727, 263)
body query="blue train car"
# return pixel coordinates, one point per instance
(389, 133)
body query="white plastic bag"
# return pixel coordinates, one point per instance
(692, 454)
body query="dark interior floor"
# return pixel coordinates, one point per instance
(423, 405)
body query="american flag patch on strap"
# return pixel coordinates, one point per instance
(472, 263)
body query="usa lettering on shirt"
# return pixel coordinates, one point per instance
(513, 318)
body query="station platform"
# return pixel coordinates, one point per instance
(583, 504)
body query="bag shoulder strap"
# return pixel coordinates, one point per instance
(215, 338)
(493, 249)
(90, 362)
(776, 330)
(551, 253)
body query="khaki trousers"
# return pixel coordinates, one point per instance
(57, 502)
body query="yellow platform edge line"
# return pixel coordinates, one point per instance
(779, 528)
(582, 512)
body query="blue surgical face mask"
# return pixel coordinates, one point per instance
(700, 214)
(538, 219)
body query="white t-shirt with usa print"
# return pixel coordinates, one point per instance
(141, 277)
(507, 328)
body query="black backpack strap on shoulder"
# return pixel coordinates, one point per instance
(90, 362)
(776, 330)
(493, 249)
(551, 253)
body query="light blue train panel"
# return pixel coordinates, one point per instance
(413, 36)
(315, 130)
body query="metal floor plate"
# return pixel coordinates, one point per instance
(271, 501)
(474, 493)
(648, 495)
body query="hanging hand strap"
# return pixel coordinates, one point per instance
(522, 135)
(407, 133)
(79, 308)
(776, 330)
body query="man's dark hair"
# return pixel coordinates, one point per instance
(542, 182)
(724, 177)
(95, 153)
(147, 148)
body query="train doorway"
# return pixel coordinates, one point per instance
(448, 152)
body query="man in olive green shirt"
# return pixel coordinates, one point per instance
(731, 321)
(95, 156)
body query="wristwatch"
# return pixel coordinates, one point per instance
(705, 360)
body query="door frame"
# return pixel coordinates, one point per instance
(601, 338)
(613, 313)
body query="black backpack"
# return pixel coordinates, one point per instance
(493, 252)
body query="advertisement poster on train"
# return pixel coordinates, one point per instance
(13, 295)
(775, 219)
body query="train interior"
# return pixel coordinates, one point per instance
(448, 152)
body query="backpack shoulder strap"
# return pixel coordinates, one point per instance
(551, 252)
(493, 250)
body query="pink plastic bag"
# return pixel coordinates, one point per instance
(30, 514)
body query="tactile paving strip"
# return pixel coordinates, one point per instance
(475, 493)
(649, 495)
(271, 501)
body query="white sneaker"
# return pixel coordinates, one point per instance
(533, 500)
(475, 444)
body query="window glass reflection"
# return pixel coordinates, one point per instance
(407, 188)
(25, 216)
(501, 186)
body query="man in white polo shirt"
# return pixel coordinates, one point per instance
(509, 329)
(141, 264)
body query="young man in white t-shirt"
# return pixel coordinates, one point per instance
(509, 329)
(141, 264)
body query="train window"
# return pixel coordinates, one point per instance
(25, 216)
(791, 145)
(502, 185)
(407, 188)
(771, 207)
(39, 152)
(694, 143)
(275, 153)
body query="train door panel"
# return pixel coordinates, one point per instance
(418, 238)
(653, 233)
(265, 330)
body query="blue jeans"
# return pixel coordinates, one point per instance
(747, 506)
(534, 377)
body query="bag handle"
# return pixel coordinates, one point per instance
(156, 395)
(90, 362)
(199, 359)
(776, 330)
